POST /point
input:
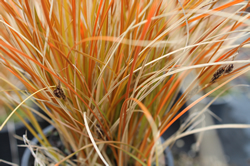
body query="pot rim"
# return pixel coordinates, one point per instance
(27, 154)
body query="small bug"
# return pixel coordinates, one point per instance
(218, 73)
(222, 70)
(229, 68)
(58, 92)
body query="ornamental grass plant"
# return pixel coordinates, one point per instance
(107, 72)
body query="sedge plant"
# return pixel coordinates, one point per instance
(107, 72)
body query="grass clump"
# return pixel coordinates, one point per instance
(109, 71)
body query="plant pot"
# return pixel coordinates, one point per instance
(221, 103)
(8, 140)
(169, 160)
(28, 159)
(5, 143)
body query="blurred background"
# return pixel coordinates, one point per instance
(222, 147)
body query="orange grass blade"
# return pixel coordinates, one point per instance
(150, 15)
(198, 100)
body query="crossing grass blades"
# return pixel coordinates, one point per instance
(107, 72)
